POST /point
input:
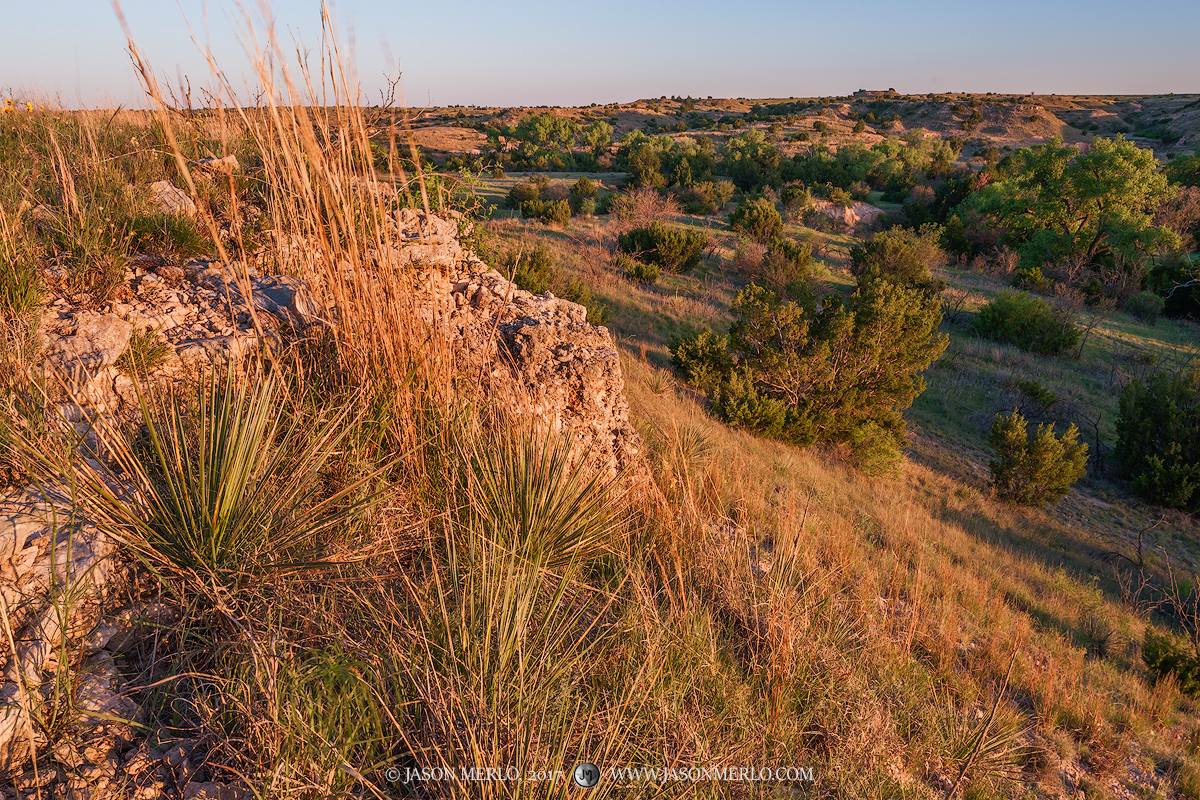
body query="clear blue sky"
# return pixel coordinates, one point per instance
(539, 52)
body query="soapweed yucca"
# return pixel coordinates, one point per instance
(225, 487)
(531, 496)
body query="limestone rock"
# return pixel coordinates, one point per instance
(41, 544)
(227, 164)
(166, 198)
(86, 338)
(857, 214)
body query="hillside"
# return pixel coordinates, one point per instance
(1167, 123)
(328, 473)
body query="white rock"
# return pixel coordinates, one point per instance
(166, 198)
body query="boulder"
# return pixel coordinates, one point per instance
(85, 339)
(166, 198)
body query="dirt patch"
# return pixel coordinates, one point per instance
(447, 139)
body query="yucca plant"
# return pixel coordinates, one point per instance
(532, 497)
(223, 488)
(508, 639)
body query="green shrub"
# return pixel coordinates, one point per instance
(1029, 322)
(673, 249)
(838, 373)
(583, 190)
(722, 192)
(841, 197)
(902, 256)
(1038, 470)
(698, 199)
(704, 359)
(1164, 657)
(1146, 306)
(532, 209)
(555, 212)
(739, 403)
(636, 270)
(795, 196)
(1158, 438)
(758, 219)
(787, 268)
(520, 194)
(534, 271)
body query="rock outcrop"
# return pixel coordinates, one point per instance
(533, 356)
(536, 354)
(850, 216)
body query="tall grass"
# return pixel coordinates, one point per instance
(736, 603)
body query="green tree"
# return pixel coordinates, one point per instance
(645, 165)
(751, 161)
(1058, 202)
(583, 192)
(841, 373)
(1158, 438)
(859, 127)
(758, 219)
(902, 256)
(597, 136)
(1038, 470)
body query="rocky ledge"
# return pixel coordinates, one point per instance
(534, 356)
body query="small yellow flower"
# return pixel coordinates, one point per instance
(29, 106)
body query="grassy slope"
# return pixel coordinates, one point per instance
(942, 583)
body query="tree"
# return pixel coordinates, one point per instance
(751, 161)
(644, 166)
(597, 136)
(859, 127)
(1158, 438)
(583, 191)
(838, 372)
(758, 219)
(1038, 470)
(902, 256)
(1058, 203)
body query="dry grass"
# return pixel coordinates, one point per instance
(751, 604)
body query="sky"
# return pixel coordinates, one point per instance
(543, 52)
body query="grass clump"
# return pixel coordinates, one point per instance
(167, 236)
(534, 498)
(145, 353)
(222, 485)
